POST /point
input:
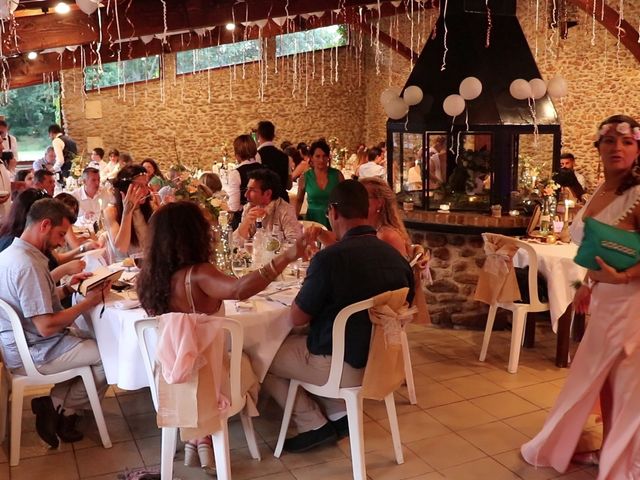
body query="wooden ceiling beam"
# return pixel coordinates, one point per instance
(20, 67)
(145, 17)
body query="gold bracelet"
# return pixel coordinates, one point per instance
(272, 265)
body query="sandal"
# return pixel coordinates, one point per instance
(591, 459)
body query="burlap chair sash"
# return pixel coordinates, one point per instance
(384, 372)
(497, 281)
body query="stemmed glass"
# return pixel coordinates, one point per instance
(239, 267)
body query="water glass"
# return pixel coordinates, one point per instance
(239, 267)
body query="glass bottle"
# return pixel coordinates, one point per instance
(545, 217)
(259, 244)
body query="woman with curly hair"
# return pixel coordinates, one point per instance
(126, 219)
(176, 276)
(154, 174)
(607, 362)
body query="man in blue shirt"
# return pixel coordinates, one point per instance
(26, 285)
(357, 267)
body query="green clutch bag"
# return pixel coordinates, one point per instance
(618, 248)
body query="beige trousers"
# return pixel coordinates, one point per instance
(72, 394)
(293, 360)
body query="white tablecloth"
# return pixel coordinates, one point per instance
(555, 263)
(266, 326)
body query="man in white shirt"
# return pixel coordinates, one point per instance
(372, 168)
(9, 142)
(568, 161)
(90, 198)
(263, 184)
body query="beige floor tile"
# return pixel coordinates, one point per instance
(521, 378)
(375, 438)
(150, 450)
(494, 438)
(416, 426)
(100, 461)
(542, 394)
(244, 467)
(514, 462)
(144, 425)
(190, 473)
(434, 395)
(54, 467)
(545, 370)
(117, 427)
(4, 451)
(529, 423)
(504, 405)
(333, 470)
(461, 415)
(421, 355)
(4, 470)
(136, 403)
(444, 370)
(32, 446)
(318, 455)
(577, 475)
(429, 476)
(377, 410)
(445, 451)
(472, 386)
(382, 465)
(482, 469)
(279, 476)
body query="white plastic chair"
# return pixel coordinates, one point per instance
(34, 378)
(351, 395)
(221, 437)
(519, 310)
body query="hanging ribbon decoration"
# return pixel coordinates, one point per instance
(446, 49)
(489, 24)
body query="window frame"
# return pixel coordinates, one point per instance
(347, 39)
(125, 83)
(248, 61)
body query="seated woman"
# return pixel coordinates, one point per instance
(60, 265)
(76, 244)
(177, 277)
(212, 181)
(154, 175)
(297, 164)
(126, 219)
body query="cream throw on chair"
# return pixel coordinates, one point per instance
(497, 281)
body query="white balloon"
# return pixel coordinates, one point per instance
(412, 95)
(520, 89)
(470, 88)
(146, 38)
(538, 88)
(557, 87)
(7, 7)
(396, 108)
(453, 105)
(389, 93)
(87, 6)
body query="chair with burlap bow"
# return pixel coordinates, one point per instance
(383, 375)
(498, 287)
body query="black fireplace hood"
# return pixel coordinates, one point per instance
(507, 58)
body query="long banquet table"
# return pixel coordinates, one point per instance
(266, 324)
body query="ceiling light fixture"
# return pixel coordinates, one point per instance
(32, 55)
(231, 27)
(62, 8)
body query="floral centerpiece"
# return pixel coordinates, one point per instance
(339, 154)
(78, 164)
(188, 187)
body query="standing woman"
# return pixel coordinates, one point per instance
(607, 362)
(317, 183)
(127, 217)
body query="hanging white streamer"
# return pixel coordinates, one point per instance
(444, 21)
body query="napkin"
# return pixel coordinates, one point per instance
(127, 304)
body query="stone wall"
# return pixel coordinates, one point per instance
(191, 116)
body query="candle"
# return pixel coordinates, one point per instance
(444, 207)
(566, 211)
(533, 183)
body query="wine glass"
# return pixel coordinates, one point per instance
(239, 267)
(138, 258)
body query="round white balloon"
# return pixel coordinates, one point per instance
(389, 94)
(470, 88)
(538, 88)
(557, 87)
(453, 105)
(87, 6)
(396, 108)
(520, 89)
(412, 95)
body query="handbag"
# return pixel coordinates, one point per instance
(618, 248)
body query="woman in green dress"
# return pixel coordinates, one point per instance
(155, 176)
(317, 183)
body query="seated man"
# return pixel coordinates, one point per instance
(357, 267)
(262, 203)
(46, 162)
(27, 286)
(91, 198)
(373, 168)
(45, 180)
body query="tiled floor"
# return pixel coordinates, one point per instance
(469, 423)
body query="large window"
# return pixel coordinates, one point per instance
(218, 56)
(310, 40)
(29, 112)
(119, 73)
